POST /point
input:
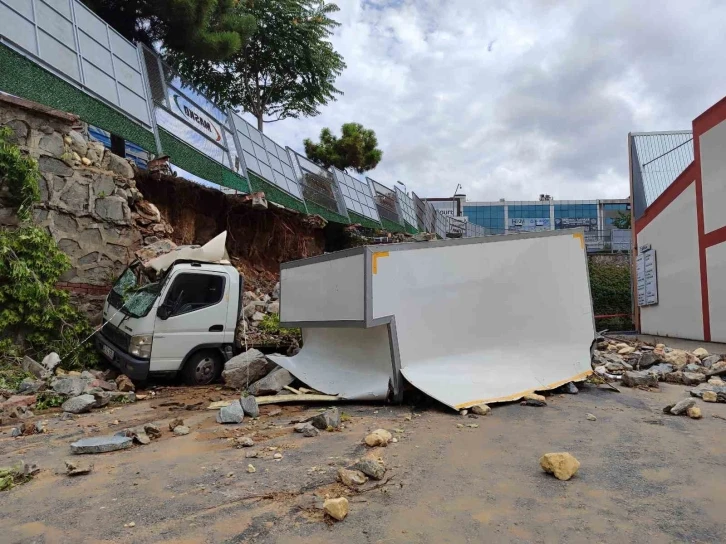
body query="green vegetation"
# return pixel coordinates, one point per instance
(286, 70)
(610, 287)
(35, 317)
(48, 399)
(622, 221)
(204, 29)
(271, 324)
(357, 148)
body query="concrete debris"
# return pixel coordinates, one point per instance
(101, 444)
(249, 406)
(336, 508)
(231, 414)
(76, 468)
(481, 410)
(79, 405)
(694, 412)
(272, 383)
(562, 466)
(124, 384)
(532, 399)
(176, 422)
(181, 430)
(330, 419)
(351, 478)
(642, 378)
(371, 468)
(680, 407)
(379, 437)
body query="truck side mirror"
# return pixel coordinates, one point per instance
(163, 312)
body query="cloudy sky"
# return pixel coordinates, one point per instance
(513, 98)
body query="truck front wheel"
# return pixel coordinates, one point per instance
(202, 368)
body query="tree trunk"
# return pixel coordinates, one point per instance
(260, 123)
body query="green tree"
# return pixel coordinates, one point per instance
(286, 70)
(205, 29)
(356, 148)
(622, 221)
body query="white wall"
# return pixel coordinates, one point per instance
(716, 266)
(674, 236)
(713, 176)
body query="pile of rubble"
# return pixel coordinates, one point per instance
(637, 364)
(76, 392)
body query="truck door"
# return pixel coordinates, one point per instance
(196, 302)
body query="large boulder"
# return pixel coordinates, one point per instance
(231, 414)
(246, 368)
(647, 360)
(71, 386)
(642, 378)
(249, 406)
(272, 383)
(79, 404)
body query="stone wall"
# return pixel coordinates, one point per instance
(86, 193)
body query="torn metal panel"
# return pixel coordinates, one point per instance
(213, 251)
(467, 321)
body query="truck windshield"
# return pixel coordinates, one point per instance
(134, 292)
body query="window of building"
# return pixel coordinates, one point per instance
(490, 217)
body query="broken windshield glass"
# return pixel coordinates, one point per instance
(134, 292)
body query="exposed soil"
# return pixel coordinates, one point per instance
(645, 476)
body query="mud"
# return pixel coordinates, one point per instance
(645, 476)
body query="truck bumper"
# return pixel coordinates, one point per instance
(133, 367)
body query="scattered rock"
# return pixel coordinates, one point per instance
(717, 382)
(711, 360)
(231, 414)
(273, 308)
(481, 410)
(30, 386)
(701, 353)
(79, 405)
(717, 369)
(328, 419)
(39, 427)
(33, 367)
(306, 429)
(532, 399)
(336, 508)
(674, 377)
(661, 370)
(276, 291)
(709, 396)
(102, 398)
(101, 444)
(176, 422)
(249, 406)
(272, 383)
(379, 437)
(461, 413)
(591, 417)
(247, 368)
(251, 469)
(351, 478)
(16, 432)
(647, 360)
(681, 406)
(257, 317)
(627, 350)
(124, 384)
(694, 412)
(152, 430)
(642, 378)
(277, 456)
(562, 465)
(181, 430)
(571, 389)
(692, 378)
(122, 396)
(244, 442)
(70, 386)
(692, 367)
(677, 358)
(371, 468)
(19, 401)
(141, 437)
(76, 468)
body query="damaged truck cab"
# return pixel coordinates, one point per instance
(184, 322)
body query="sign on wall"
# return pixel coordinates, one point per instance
(647, 273)
(528, 224)
(590, 223)
(195, 116)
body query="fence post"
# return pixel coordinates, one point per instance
(238, 146)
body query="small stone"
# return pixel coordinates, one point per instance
(152, 430)
(462, 412)
(32, 366)
(86, 161)
(459, 425)
(681, 406)
(245, 442)
(124, 383)
(251, 469)
(626, 350)
(351, 478)
(258, 316)
(79, 405)
(379, 437)
(277, 456)
(130, 524)
(571, 389)
(39, 427)
(710, 396)
(716, 381)
(249, 406)
(692, 378)
(174, 423)
(76, 468)
(481, 410)
(101, 444)
(701, 353)
(394, 440)
(642, 378)
(473, 425)
(647, 360)
(181, 430)
(70, 386)
(532, 399)
(141, 437)
(562, 465)
(717, 369)
(694, 412)
(336, 508)
(276, 291)
(231, 414)
(591, 417)
(273, 308)
(16, 432)
(370, 468)
(328, 419)
(272, 383)
(711, 360)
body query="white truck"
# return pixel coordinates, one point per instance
(183, 322)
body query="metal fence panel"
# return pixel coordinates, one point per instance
(406, 205)
(385, 202)
(357, 195)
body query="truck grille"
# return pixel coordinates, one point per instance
(116, 336)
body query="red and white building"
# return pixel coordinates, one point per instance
(678, 187)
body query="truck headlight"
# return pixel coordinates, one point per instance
(140, 345)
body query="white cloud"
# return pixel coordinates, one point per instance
(547, 110)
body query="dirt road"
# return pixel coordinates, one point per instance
(645, 476)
